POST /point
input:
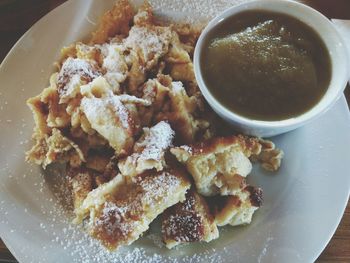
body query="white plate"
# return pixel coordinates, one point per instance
(303, 203)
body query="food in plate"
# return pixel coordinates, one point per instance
(219, 165)
(236, 209)
(119, 211)
(149, 151)
(120, 112)
(188, 221)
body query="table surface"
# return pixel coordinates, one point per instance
(16, 17)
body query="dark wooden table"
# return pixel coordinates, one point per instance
(17, 16)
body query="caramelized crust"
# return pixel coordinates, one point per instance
(219, 165)
(47, 112)
(189, 221)
(82, 182)
(149, 150)
(120, 212)
(179, 60)
(98, 160)
(40, 113)
(113, 22)
(270, 157)
(110, 118)
(55, 148)
(248, 145)
(181, 114)
(236, 209)
(155, 91)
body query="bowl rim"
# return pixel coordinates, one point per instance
(294, 121)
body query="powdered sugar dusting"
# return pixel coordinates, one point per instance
(121, 110)
(112, 220)
(97, 108)
(177, 87)
(152, 42)
(114, 64)
(159, 139)
(149, 151)
(74, 66)
(127, 213)
(183, 223)
(74, 245)
(72, 71)
(156, 187)
(82, 248)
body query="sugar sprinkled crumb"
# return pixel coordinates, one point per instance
(95, 108)
(159, 138)
(83, 248)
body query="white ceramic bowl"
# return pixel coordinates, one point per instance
(333, 42)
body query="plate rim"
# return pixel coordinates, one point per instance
(341, 101)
